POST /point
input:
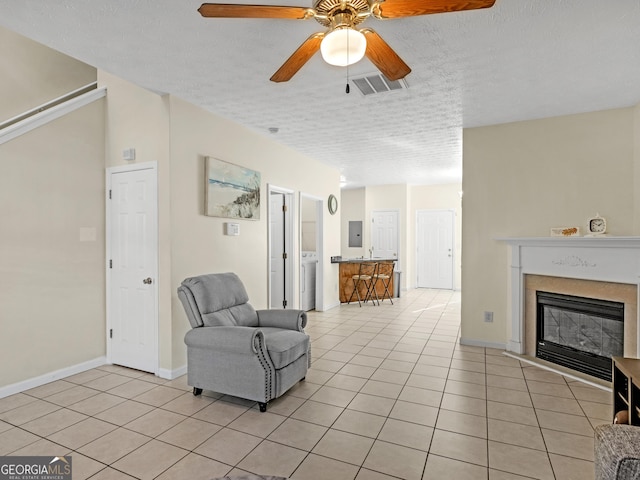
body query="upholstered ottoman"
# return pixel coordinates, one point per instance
(617, 452)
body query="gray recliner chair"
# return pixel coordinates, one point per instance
(236, 350)
(617, 452)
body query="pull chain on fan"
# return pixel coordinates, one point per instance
(348, 63)
(341, 17)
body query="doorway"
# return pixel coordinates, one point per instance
(132, 266)
(280, 247)
(311, 275)
(435, 248)
(384, 234)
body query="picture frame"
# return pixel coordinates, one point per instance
(231, 191)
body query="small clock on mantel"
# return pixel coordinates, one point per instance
(597, 226)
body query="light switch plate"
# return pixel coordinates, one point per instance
(232, 229)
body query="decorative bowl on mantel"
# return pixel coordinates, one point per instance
(565, 231)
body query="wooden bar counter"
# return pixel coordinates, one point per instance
(350, 267)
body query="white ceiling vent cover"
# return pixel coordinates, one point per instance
(378, 83)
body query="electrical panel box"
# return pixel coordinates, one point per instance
(355, 234)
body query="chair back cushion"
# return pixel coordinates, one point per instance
(217, 299)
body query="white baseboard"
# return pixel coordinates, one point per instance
(330, 306)
(51, 376)
(171, 374)
(482, 343)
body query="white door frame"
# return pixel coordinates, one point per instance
(108, 230)
(399, 258)
(453, 243)
(290, 278)
(319, 247)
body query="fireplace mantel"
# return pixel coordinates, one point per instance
(596, 242)
(605, 258)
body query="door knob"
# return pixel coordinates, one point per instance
(147, 281)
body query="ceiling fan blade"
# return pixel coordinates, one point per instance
(301, 56)
(383, 56)
(228, 10)
(411, 8)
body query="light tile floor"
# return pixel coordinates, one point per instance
(391, 394)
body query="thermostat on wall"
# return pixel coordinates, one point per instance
(129, 154)
(232, 228)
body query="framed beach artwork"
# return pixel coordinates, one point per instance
(231, 191)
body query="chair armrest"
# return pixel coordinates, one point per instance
(225, 339)
(617, 451)
(283, 318)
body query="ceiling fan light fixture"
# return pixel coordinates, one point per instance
(343, 46)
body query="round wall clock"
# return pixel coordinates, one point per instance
(332, 204)
(597, 225)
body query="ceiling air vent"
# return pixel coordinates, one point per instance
(378, 83)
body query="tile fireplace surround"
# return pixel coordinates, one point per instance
(597, 267)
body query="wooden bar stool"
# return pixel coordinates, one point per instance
(364, 278)
(384, 276)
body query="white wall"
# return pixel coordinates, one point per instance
(521, 179)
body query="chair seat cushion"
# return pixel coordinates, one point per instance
(284, 346)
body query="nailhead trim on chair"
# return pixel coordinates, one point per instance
(267, 372)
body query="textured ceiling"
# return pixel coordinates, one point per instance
(521, 59)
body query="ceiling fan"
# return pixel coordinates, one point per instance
(343, 44)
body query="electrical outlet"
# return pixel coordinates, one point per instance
(488, 317)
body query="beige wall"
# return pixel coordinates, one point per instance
(521, 179)
(179, 136)
(198, 244)
(33, 74)
(435, 197)
(308, 224)
(137, 118)
(353, 209)
(52, 307)
(389, 197)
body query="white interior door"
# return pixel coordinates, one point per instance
(384, 233)
(280, 249)
(276, 233)
(132, 268)
(435, 249)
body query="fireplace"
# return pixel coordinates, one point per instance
(606, 268)
(579, 333)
